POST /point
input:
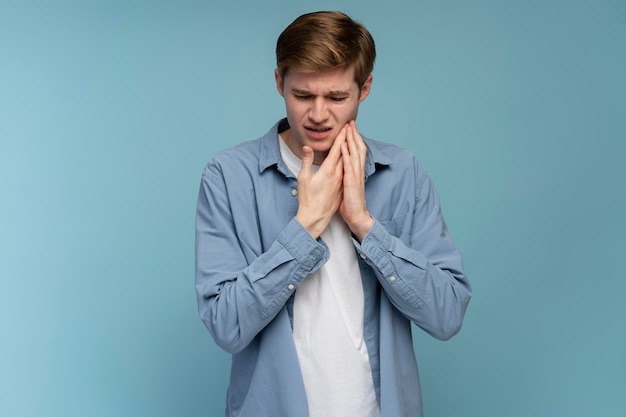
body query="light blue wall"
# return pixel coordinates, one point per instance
(110, 109)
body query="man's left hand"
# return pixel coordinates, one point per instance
(353, 208)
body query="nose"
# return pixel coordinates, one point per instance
(318, 113)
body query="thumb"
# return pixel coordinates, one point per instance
(307, 159)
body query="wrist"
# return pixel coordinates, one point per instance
(314, 227)
(362, 228)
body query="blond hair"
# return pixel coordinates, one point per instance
(323, 41)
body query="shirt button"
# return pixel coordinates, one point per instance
(393, 278)
(294, 192)
(363, 256)
(291, 287)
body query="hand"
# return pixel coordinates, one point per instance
(353, 208)
(320, 193)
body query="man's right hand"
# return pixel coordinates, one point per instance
(320, 193)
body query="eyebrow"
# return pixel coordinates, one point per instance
(330, 93)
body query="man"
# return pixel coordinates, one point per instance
(316, 248)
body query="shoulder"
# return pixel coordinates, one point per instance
(240, 158)
(241, 154)
(247, 157)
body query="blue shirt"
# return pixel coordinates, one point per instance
(251, 254)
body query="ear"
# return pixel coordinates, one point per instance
(279, 82)
(365, 90)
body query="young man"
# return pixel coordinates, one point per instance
(316, 248)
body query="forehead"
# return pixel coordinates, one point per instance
(339, 79)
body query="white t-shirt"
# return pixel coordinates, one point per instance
(328, 327)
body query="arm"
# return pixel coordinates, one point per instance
(239, 292)
(422, 273)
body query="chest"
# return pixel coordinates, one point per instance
(274, 199)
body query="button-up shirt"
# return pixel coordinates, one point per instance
(251, 255)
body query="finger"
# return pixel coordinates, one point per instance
(307, 160)
(352, 167)
(357, 137)
(351, 141)
(335, 150)
(346, 160)
(358, 142)
(356, 154)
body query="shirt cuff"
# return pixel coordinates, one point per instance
(379, 243)
(308, 252)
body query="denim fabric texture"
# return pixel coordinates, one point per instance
(251, 254)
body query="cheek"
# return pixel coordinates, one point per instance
(293, 108)
(348, 113)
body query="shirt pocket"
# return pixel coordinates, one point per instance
(395, 225)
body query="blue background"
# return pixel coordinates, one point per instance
(110, 109)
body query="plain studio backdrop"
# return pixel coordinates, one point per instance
(109, 110)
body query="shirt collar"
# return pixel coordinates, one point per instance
(270, 151)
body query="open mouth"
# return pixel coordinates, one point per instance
(318, 133)
(319, 129)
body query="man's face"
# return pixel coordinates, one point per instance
(318, 107)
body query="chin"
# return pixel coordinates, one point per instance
(319, 146)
